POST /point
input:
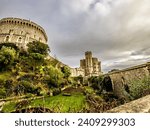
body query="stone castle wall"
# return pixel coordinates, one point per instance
(132, 73)
(21, 31)
(77, 72)
(124, 77)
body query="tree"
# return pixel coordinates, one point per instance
(37, 52)
(25, 87)
(12, 45)
(7, 57)
(54, 77)
(38, 47)
(66, 71)
(37, 59)
(95, 82)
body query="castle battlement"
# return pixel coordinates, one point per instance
(21, 31)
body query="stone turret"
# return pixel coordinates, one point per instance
(88, 63)
(90, 66)
(21, 32)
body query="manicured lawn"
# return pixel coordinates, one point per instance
(59, 103)
(62, 103)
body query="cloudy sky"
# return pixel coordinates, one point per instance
(116, 31)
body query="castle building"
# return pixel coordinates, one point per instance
(21, 32)
(90, 66)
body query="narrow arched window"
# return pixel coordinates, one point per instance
(7, 39)
(40, 39)
(27, 39)
(20, 39)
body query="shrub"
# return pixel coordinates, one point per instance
(2, 82)
(66, 71)
(79, 79)
(139, 87)
(37, 91)
(9, 86)
(7, 57)
(25, 87)
(2, 93)
(38, 47)
(54, 77)
(27, 77)
(56, 91)
(37, 60)
(11, 45)
(95, 82)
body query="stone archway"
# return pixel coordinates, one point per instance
(107, 84)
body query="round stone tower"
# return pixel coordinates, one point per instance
(21, 32)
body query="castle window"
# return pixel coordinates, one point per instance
(27, 39)
(20, 39)
(11, 31)
(21, 32)
(40, 39)
(7, 39)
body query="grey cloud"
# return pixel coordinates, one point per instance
(124, 64)
(114, 30)
(144, 51)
